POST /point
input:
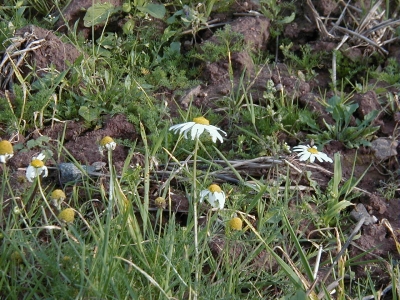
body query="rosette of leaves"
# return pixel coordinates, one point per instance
(351, 136)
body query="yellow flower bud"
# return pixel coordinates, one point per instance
(58, 195)
(236, 223)
(106, 140)
(16, 257)
(6, 147)
(67, 215)
(160, 202)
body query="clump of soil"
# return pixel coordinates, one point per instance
(39, 48)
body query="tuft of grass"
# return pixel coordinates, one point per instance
(119, 245)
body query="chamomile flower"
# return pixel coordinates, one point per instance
(67, 215)
(160, 202)
(57, 197)
(311, 153)
(197, 127)
(6, 151)
(215, 196)
(235, 223)
(36, 168)
(107, 143)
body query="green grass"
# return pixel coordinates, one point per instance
(120, 246)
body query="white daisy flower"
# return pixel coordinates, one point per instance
(197, 127)
(6, 151)
(311, 153)
(36, 168)
(107, 143)
(215, 195)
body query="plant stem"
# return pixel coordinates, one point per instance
(194, 200)
(109, 211)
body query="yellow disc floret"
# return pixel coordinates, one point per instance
(106, 140)
(67, 215)
(312, 150)
(201, 120)
(37, 163)
(236, 223)
(58, 195)
(160, 202)
(214, 188)
(16, 257)
(6, 147)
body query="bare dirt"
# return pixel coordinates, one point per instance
(80, 141)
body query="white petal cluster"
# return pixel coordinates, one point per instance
(36, 168)
(197, 127)
(215, 196)
(311, 153)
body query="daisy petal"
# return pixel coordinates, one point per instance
(197, 130)
(41, 156)
(304, 156)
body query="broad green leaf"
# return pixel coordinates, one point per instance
(306, 119)
(97, 14)
(89, 114)
(288, 19)
(38, 142)
(155, 10)
(370, 117)
(175, 47)
(300, 295)
(332, 102)
(168, 33)
(337, 208)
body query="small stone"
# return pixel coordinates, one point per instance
(384, 148)
(69, 172)
(359, 212)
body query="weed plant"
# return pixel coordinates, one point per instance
(117, 241)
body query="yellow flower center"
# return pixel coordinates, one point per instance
(201, 120)
(67, 215)
(214, 188)
(106, 140)
(66, 259)
(160, 202)
(236, 223)
(312, 150)
(58, 194)
(37, 163)
(16, 257)
(6, 148)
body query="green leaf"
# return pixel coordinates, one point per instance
(300, 295)
(155, 10)
(309, 121)
(168, 33)
(38, 142)
(370, 117)
(89, 114)
(299, 248)
(335, 210)
(288, 19)
(98, 13)
(337, 175)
